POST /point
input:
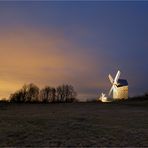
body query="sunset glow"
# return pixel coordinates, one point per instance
(49, 43)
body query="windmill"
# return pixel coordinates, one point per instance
(119, 87)
(103, 98)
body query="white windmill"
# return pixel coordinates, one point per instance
(119, 87)
(103, 98)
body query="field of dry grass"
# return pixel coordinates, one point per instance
(77, 124)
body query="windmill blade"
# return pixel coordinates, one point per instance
(111, 90)
(115, 88)
(110, 78)
(117, 77)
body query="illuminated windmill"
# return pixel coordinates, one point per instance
(119, 87)
(103, 98)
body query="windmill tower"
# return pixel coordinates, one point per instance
(119, 87)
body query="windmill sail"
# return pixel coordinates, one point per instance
(114, 82)
(117, 77)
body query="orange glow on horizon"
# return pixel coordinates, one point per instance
(42, 58)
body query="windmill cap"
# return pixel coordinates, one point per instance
(122, 82)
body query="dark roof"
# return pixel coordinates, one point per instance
(122, 82)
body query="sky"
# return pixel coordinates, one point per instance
(75, 42)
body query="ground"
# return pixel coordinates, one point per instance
(76, 124)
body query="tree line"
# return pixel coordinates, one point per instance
(31, 93)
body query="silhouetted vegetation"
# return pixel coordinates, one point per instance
(139, 98)
(130, 99)
(31, 93)
(92, 100)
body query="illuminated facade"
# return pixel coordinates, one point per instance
(121, 91)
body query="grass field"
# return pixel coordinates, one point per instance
(77, 124)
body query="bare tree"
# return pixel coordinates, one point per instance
(45, 94)
(31, 93)
(66, 93)
(53, 95)
(17, 97)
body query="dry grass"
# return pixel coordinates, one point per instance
(78, 124)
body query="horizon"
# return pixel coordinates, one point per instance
(75, 42)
